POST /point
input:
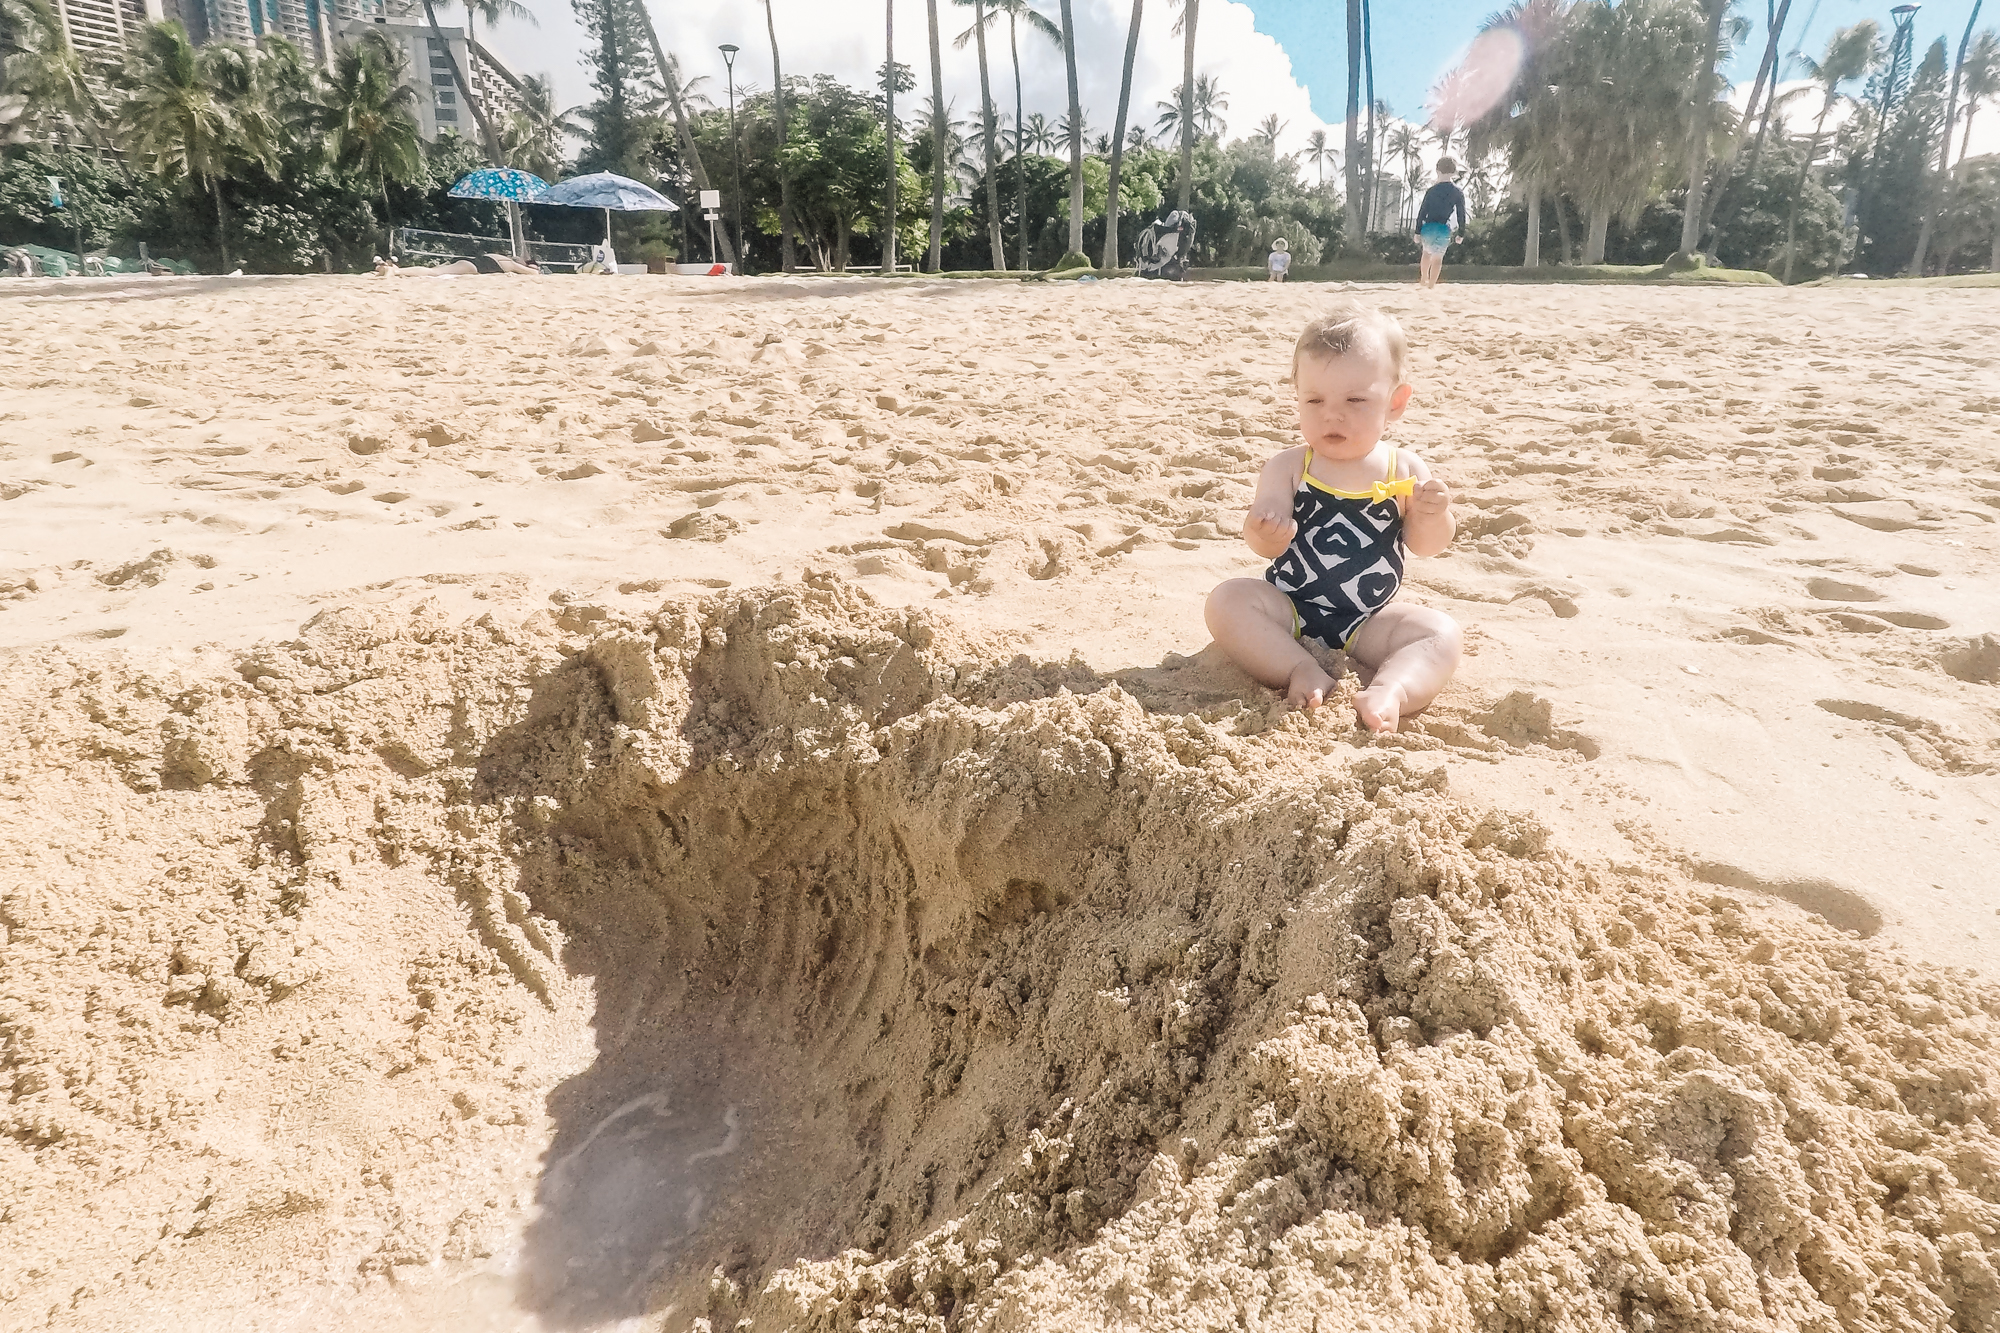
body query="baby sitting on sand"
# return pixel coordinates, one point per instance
(1335, 517)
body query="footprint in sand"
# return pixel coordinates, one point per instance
(1834, 590)
(1929, 744)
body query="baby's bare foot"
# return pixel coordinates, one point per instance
(1307, 686)
(1380, 707)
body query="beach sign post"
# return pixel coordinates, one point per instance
(711, 208)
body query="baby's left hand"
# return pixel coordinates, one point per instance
(1430, 500)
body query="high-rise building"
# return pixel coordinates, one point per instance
(310, 23)
(496, 86)
(95, 26)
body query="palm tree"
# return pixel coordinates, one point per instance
(1622, 80)
(1374, 163)
(1041, 134)
(1021, 12)
(988, 122)
(47, 75)
(1267, 131)
(787, 258)
(891, 178)
(372, 131)
(1979, 78)
(533, 136)
(1118, 137)
(1850, 53)
(936, 257)
(676, 90)
(1916, 269)
(1766, 90)
(1062, 129)
(492, 11)
(1703, 95)
(1075, 127)
(177, 120)
(1351, 233)
(1405, 144)
(1136, 138)
(1319, 152)
(1190, 16)
(1527, 122)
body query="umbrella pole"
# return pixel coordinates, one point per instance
(514, 227)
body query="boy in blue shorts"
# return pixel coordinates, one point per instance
(1335, 517)
(1442, 202)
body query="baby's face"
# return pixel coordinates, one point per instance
(1347, 401)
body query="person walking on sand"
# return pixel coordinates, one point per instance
(1280, 262)
(1335, 517)
(1442, 202)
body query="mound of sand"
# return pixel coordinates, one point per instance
(783, 957)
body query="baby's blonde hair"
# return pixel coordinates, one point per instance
(1337, 331)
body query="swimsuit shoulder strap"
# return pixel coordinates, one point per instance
(1392, 477)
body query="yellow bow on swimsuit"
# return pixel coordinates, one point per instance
(1402, 488)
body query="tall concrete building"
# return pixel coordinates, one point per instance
(496, 86)
(310, 23)
(95, 26)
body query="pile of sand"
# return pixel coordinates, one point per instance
(785, 957)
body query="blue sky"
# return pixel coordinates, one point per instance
(1416, 40)
(1272, 57)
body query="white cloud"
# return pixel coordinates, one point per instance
(844, 38)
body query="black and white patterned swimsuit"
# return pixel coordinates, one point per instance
(1345, 562)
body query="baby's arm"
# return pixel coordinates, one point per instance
(1269, 527)
(1428, 524)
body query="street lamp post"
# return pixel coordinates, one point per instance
(735, 147)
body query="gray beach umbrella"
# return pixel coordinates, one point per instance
(612, 193)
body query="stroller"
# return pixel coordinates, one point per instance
(1166, 247)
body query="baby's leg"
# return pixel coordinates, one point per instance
(1412, 651)
(1252, 623)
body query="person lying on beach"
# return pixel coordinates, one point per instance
(1335, 517)
(476, 264)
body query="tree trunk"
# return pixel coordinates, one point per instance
(889, 138)
(1190, 15)
(840, 233)
(486, 134)
(1352, 241)
(1799, 187)
(1697, 149)
(1075, 133)
(935, 261)
(1531, 254)
(1593, 244)
(388, 221)
(987, 119)
(1020, 168)
(221, 227)
(1767, 83)
(1374, 151)
(1993, 262)
(787, 258)
(1943, 187)
(670, 79)
(1562, 227)
(1118, 139)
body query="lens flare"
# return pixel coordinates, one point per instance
(1477, 83)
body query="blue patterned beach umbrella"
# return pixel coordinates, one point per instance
(602, 189)
(504, 183)
(612, 193)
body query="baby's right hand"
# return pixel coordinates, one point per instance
(1270, 525)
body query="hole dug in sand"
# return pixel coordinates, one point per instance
(904, 986)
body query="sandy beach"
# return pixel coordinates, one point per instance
(621, 804)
